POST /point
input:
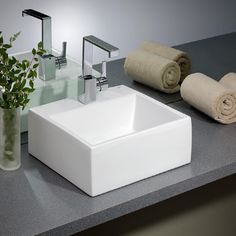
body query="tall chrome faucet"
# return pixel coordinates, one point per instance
(46, 27)
(48, 63)
(90, 83)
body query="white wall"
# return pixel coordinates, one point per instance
(124, 23)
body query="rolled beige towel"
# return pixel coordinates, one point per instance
(210, 97)
(176, 55)
(153, 70)
(229, 80)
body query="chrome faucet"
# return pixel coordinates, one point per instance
(46, 27)
(48, 62)
(91, 84)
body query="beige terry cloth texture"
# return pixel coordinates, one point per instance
(229, 80)
(176, 55)
(153, 70)
(210, 97)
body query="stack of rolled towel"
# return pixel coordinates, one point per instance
(216, 99)
(165, 69)
(158, 66)
(229, 81)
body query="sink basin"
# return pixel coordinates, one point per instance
(123, 137)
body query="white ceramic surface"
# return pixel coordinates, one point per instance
(123, 137)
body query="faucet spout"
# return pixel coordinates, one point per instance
(87, 54)
(90, 82)
(46, 27)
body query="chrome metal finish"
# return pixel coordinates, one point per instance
(64, 44)
(102, 82)
(89, 84)
(87, 56)
(47, 67)
(46, 27)
(104, 69)
(61, 60)
(89, 93)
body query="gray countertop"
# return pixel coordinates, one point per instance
(36, 200)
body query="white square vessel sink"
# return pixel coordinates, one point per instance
(123, 137)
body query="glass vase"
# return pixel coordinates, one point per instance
(10, 146)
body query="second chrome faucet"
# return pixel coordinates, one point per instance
(89, 82)
(48, 62)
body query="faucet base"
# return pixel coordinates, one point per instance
(47, 68)
(89, 88)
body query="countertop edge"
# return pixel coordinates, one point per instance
(142, 202)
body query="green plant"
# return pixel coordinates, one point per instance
(16, 77)
(16, 84)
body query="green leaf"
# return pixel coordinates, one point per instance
(40, 45)
(22, 85)
(11, 62)
(23, 66)
(26, 62)
(17, 71)
(7, 46)
(25, 103)
(11, 75)
(14, 60)
(35, 66)
(31, 74)
(17, 34)
(31, 83)
(21, 75)
(16, 86)
(2, 50)
(34, 52)
(35, 74)
(14, 37)
(40, 53)
(11, 39)
(4, 57)
(1, 40)
(26, 90)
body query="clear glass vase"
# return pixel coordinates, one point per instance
(10, 145)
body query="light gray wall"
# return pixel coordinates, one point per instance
(124, 23)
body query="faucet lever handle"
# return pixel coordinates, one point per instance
(102, 82)
(104, 69)
(64, 45)
(61, 60)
